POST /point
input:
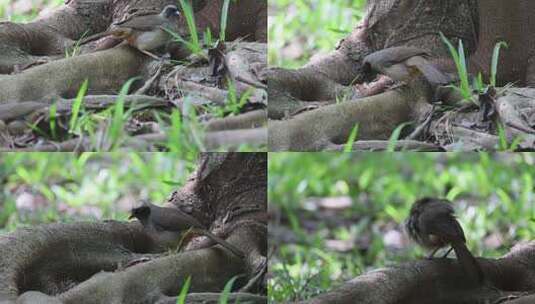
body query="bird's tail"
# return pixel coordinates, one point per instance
(469, 264)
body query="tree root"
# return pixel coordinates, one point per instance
(106, 71)
(439, 281)
(376, 116)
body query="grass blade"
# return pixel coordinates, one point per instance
(117, 124)
(224, 18)
(181, 299)
(494, 64)
(226, 291)
(348, 147)
(174, 139)
(52, 119)
(77, 104)
(460, 64)
(395, 137)
(190, 20)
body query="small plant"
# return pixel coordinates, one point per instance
(184, 134)
(460, 63)
(503, 144)
(233, 104)
(193, 44)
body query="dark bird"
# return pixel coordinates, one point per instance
(171, 223)
(146, 32)
(433, 225)
(404, 64)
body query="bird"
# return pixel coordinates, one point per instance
(145, 33)
(433, 225)
(404, 64)
(171, 223)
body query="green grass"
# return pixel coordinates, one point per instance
(492, 193)
(25, 10)
(308, 28)
(50, 187)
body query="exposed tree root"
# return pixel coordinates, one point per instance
(441, 281)
(376, 116)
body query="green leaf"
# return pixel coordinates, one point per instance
(395, 137)
(348, 147)
(77, 104)
(117, 124)
(224, 18)
(460, 64)
(226, 291)
(495, 59)
(181, 299)
(190, 20)
(52, 119)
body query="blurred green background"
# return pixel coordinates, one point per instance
(26, 10)
(335, 216)
(303, 28)
(50, 187)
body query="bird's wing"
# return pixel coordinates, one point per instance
(445, 224)
(173, 220)
(143, 23)
(431, 73)
(393, 55)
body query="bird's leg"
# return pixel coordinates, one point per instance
(150, 54)
(214, 238)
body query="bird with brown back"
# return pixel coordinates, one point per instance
(433, 225)
(405, 64)
(168, 224)
(146, 32)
